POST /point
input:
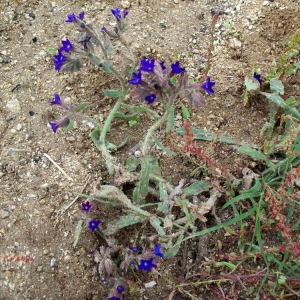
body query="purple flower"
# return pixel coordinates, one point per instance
(114, 298)
(157, 251)
(162, 65)
(134, 249)
(146, 264)
(86, 206)
(116, 12)
(103, 29)
(176, 68)
(81, 15)
(136, 78)
(67, 46)
(146, 65)
(120, 289)
(150, 98)
(71, 18)
(257, 77)
(207, 85)
(58, 60)
(125, 13)
(54, 126)
(93, 225)
(56, 100)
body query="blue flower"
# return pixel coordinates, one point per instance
(125, 13)
(257, 77)
(146, 264)
(162, 65)
(54, 126)
(176, 68)
(146, 65)
(134, 249)
(58, 60)
(207, 85)
(120, 289)
(93, 225)
(86, 206)
(103, 29)
(157, 251)
(150, 98)
(136, 78)
(71, 18)
(114, 298)
(81, 15)
(67, 46)
(56, 100)
(116, 12)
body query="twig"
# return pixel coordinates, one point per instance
(58, 167)
(70, 204)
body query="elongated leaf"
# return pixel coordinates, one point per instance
(78, 231)
(163, 196)
(276, 85)
(81, 106)
(111, 93)
(124, 221)
(95, 137)
(161, 146)
(125, 117)
(170, 121)
(174, 250)
(297, 65)
(220, 226)
(196, 188)
(113, 147)
(145, 173)
(53, 51)
(251, 152)
(185, 112)
(275, 98)
(106, 67)
(240, 197)
(70, 125)
(156, 224)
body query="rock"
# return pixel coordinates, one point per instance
(235, 44)
(176, 1)
(31, 15)
(125, 4)
(19, 127)
(4, 214)
(14, 106)
(70, 138)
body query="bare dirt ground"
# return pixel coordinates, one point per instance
(34, 194)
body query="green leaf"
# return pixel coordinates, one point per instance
(297, 65)
(170, 121)
(95, 137)
(174, 250)
(145, 174)
(78, 231)
(276, 85)
(220, 226)
(161, 146)
(106, 67)
(70, 125)
(125, 117)
(111, 93)
(113, 147)
(244, 196)
(292, 53)
(156, 224)
(81, 106)
(251, 83)
(124, 221)
(94, 59)
(251, 152)
(173, 80)
(53, 51)
(274, 97)
(132, 122)
(185, 112)
(196, 188)
(163, 196)
(236, 34)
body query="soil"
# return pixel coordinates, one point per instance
(34, 221)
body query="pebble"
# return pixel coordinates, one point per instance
(137, 153)
(150, 284)
(70, 138)
(31, 15)
(13, 105)
(4, 214)
(176, 1)
(125, 4)
(19, 127)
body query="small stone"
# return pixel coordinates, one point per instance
(125, 4)
(137, 153)
(39, 268)
(34, 39)
(31, 15)
(19, 127)
(13, 131)
(235, 44)
(150, 284)
(266, 3)
(70, 138)
(176, 1)
(13, 105)
(4, 214)
(31, 113)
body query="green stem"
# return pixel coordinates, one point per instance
(145, 146)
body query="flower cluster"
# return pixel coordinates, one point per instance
(153, 80)
(60, 58)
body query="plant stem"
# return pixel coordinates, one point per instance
(145, 146)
